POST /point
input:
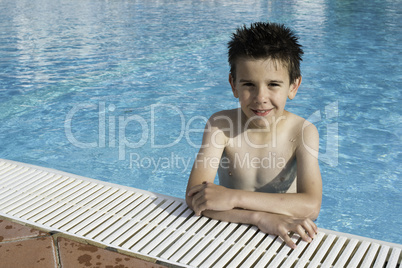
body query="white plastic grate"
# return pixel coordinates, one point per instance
(163, 228)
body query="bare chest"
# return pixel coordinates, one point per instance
(253, 164)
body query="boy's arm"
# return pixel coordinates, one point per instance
(202, 177)
(208, 158)
(305, 203)
(270, 223)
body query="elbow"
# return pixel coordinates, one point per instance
(310, 210)
(313, 211)
(314, 214)
(313, 207)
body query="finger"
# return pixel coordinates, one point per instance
(286, 238)
(199, 203)
(197, 211)
(310, 227)
(195, 206)
(302, 232)
(195, 189)
(315, 228)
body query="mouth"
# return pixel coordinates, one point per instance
(260, 112)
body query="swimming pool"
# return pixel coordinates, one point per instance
(120, 90)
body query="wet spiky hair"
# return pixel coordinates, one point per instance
(265, 40)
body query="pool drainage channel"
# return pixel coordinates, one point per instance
(163, 229)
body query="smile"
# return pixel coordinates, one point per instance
(261, 112)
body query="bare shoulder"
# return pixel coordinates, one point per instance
(303, 133)
(224, 119)
(219, 128)
(225, 115)
(297, 125)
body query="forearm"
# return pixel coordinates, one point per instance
(209, 196)
(297, 205)
(234, 215)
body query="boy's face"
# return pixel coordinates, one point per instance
(262, 87)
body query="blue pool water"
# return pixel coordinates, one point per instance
(119, 91)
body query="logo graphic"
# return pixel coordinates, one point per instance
(111, 132)
(331, 139)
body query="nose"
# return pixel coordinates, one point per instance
(261, 95)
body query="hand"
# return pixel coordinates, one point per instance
(209, 196)
(281, 225)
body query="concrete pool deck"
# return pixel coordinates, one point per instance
(24, 246)
(64, 220)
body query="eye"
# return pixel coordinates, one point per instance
(273, 85)
(248, 84)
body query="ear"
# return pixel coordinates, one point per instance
(232, 84)
(294, 87)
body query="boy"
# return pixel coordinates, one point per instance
(265, 156)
